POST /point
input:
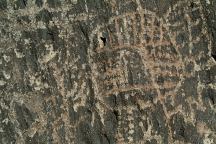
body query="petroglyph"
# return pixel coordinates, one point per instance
(107, 71)
(149, 38)
(141, 51)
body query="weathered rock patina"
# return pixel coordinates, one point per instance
(108, 71)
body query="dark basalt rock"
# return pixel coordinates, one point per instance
(107, 71)
(184, 131)
(44, 15)
(3, 4)
(20, 4)
(39, 3)
(54, 3)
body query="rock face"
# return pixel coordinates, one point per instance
(108, 71)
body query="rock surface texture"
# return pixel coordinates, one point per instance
(107, 71)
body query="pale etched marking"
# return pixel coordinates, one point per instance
(157, 60)
(149, 29)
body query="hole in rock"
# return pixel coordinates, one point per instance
(214, 56)
(192, 5)
(103, 40)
